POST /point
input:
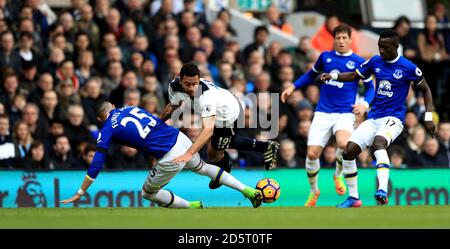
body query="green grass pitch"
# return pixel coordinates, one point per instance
(264, 217)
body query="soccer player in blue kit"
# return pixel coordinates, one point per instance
(336, 109)
(137, 128)
(394, 75)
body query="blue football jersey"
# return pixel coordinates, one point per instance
(336, 96)
(393, 80)
(134, 127)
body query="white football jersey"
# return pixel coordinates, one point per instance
(213, 100)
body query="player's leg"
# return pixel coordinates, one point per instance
(219, 175)
(342, 130)
(389, 129)
(312, 166)
(342, 137)
(318, 136)
(221, 158)
(152, 189)
(269, 148)
(360, 139)
(161, 175)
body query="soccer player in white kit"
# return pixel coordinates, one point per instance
(336, 109)
(220, 110)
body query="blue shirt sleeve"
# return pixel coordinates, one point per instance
(306, 79)
(370, 90)
(365, 69)
(318, 66)
(103, 141)
(414, 74)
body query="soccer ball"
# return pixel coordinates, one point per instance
(269, 188)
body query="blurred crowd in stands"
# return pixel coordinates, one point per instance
(58, 64)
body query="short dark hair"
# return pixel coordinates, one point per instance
(342, 28)
(101, 108)
(89, 147)
(190, 70)
(259, 29)
(390, 34)
(400, 20)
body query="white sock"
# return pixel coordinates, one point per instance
(339, 167)
(225, 178)
(166, 198)
(351, 177)
(312, 169)
(382, 169)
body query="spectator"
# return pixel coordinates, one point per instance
(432, 52)
(66, 73)
(87, 24)
(28, 77)
(260, 38)
(50, 110)
(403, 26)
(61, 156)
(225, 16)
(86, 68)
(8, 56)
(82, 44)
(22, 138)
(129, 81)
(328, 157)
(152, 86)
(45, 83)
(431, 156)
(323, 39)
(365, 159)
(151, 103)
(304, 110)
(67, 95)
(37, 158)
(128, 37)
(443, 134)
(288, 156)
(10, 88)
(275, 19)
(56, 129)
(397, 157)
(113, 24)
(93, 97)
(218, 34)
(10, 152)
(75, 129)
(131, 97)
(414, 145)
(113, 77)
(88, 156)
(26, 49)
(304, 54)
(37, 127)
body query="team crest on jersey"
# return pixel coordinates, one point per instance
(329, 60)
(418, 72)
(398, 74)
(350, 64)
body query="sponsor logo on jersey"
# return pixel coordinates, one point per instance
(377, 70)
(384, 88)
(398, 74)
(337, 84)
(350, 64)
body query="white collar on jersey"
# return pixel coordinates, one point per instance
(344, 54)
(394, 60)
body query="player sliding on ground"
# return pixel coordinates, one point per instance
(220, 110)
(137, 128)
(394, 75)
(336, 110)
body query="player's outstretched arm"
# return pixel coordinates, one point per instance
(167, 112)
(347, 77)
(93, 171)
(203, 138)
(304, 80)
(428, 98)
(84, 186)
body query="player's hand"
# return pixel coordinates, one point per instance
(74, 198)
(431, 128)
(359, 109)
(286, 93)
(325, 76)
(183, 158)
